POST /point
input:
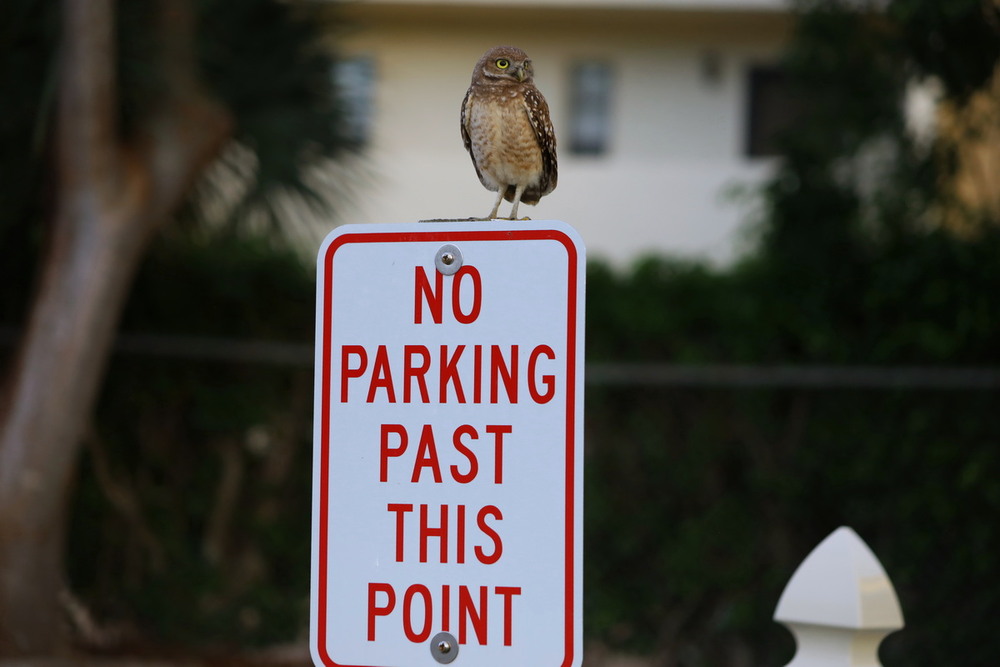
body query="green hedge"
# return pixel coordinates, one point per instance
(191, 522)
(702, 501)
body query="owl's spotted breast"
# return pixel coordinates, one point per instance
(502, 141)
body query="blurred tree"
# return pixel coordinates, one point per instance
(855, 167)
(857, 180)
(115, 110)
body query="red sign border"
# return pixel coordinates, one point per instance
(571, 404)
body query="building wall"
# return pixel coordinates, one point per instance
(678, 118)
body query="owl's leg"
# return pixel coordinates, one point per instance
(517, 200)
(496, 206)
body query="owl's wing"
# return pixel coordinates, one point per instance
(466, 138)
(538, 116)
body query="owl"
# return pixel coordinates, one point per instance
(507, 130)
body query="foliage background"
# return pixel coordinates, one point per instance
(192, 504)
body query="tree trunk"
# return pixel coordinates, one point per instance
(111, 197)
(60, 363)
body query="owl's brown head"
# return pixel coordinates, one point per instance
(503, 65)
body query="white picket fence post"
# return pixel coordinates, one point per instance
(839, 605)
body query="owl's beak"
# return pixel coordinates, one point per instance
(521, 74)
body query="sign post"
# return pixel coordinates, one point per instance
(447, 490)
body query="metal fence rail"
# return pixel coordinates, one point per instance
(632, 374)
(820, 377)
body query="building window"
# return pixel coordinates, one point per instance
(590, 108)
(772, 108)
(354, 79)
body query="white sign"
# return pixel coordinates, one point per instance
(447, 491)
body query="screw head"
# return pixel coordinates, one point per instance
(444, 648)
(448, 259)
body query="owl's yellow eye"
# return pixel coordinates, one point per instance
(503, 63)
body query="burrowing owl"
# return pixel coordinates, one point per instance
(507, 130)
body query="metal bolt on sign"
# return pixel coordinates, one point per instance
(448, 259)
(444, 648)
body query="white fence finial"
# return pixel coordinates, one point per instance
(839, 605)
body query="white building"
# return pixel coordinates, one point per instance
(651, 100)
